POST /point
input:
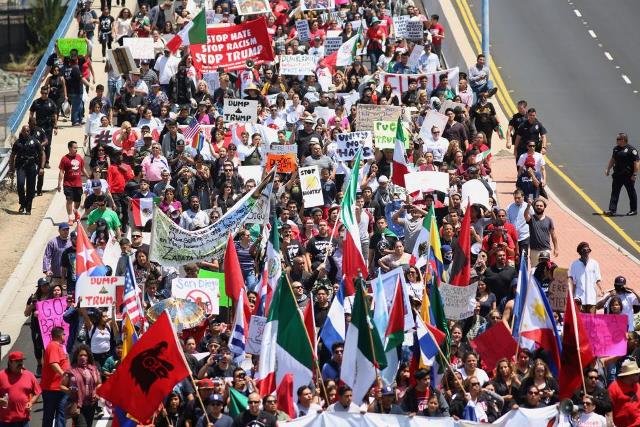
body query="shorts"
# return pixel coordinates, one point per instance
(73, 193)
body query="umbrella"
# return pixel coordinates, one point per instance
(184, 314)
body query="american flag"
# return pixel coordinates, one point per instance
(192, 130)
(132, 306)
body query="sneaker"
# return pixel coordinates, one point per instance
(39, 193)
(27, 213)
(492, 92)
(21, 210)
(632, 213)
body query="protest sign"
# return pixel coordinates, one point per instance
(65, 46)
(400, 82)
(325, 78)
(311, 186)
(203, 292)
(332, 44)
(250, 172)
(451, 104)
(415, 30)
(260, 212)
(297, 65)
(416, 52)
(475, 193)
(141, 47)
(324, 113)
(317, 4)
(240, 110)
(230, 47)
(252, 7)
(557, 292)
(256, 332)
(302, 27)
(351, 98)
(368, 114)
(97, 291)
(50, 313)
(350, 143)
(459, 301)
(427, 181)
(284, 156)
(400, 26)
(384, 133)
(494, 344)
(121, 60)
(433, 118)
(607, 333)
(212, 79)
(223, 299)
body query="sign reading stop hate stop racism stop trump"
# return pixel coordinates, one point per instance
(230, 47)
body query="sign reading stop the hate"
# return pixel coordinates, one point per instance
(230, 47)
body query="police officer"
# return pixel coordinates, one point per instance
(625, 163)
(41, 136)
(45, 111)
(26, 152)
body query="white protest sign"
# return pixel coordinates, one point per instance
(400, 26)
(212, 79)
(283, 149)
(415, 55)
(385, 134)
(427, 181)
(324, 113)
(250, 172)
(256, 332)
(415, 30)
(433, 118)
(240, 110)
(350, 143)
(368, 114)
(297, 65)
(97, 291)
(349, 99)
(302, 27)
(325, 78)
(332, 44)
(459, 301)
(260, 212)
(475, 192)
(311, 186)
(204, 292)
(451, 104)
(141, 47)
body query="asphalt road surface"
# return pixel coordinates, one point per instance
(575, 62)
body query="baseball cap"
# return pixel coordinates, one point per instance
(544, 255)
(63, 226)
(215, 398)
(95, 183)
(14, 356)
(43, 281)
(388, 391)
(620, 281)
(147, 135)
(205, 383)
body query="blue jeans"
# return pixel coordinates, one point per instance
(53, 403)
(251, 281)
(15, 424)
(478, 89)
(76, 108)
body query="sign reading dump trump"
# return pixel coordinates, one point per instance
(240, 110)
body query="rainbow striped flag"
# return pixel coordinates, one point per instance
(198, 142)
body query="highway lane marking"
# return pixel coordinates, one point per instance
(626, 79)
(593, 34)
(577, 12)
(608, 56)
(510, 108)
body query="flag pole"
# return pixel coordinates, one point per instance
(197, 393)
(575, 333)
(373, 352)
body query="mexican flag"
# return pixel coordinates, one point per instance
(285, 345)
(399, 165)
(274, 258)
(420, 254)
(194, 32)
(142, 210)
(343, 57)
(363, 351)
(353, 263)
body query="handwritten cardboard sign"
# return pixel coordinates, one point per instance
(385, 134)
(557, 293)
(459, 301)
(297, 65)
(284, 156)
(98, 291)
(256, 332)
(350, 143)
(240, 110)
(50, 313)
(607, 333)
(203, 292)
(367, 115)
(311, 186)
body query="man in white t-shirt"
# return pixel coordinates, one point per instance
(629, 298)
(537, 157)
(436, 145)
(167, 67)
(584, 276)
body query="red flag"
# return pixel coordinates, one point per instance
(284, 394)
(329, 61)
(233, 279)
(87, 259)
(148, 373)
(461, 264)
(576, 350)
(494, 344)
(310, 325)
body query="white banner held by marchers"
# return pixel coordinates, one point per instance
(427, 181)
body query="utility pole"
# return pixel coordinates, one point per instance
(485, 31)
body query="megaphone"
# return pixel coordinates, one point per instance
(567, 407)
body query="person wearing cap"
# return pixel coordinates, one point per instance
(304, 136)
(19, 391)
(105, 213)
(55, 363)
(584, 277)
(628, 297)
(625, 395)
(215, 407)
(529, 181)
(375, 39)
(384, 402)
(416, 397)
(52, 256)
(129, 103)
(96, 190)
(68, 264)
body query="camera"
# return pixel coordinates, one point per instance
(5, 339)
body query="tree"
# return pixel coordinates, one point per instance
(44, 20)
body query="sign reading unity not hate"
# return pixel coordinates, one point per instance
(350, 143)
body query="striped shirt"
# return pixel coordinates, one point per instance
(52, 258)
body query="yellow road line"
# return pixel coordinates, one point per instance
(504, 97)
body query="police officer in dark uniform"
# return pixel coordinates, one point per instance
(26, 152)
(41, 136)
(530, 130)
(45, 111)
(625, 163)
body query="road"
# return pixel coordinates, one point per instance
(573, 61)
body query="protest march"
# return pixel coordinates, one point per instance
(286, 213)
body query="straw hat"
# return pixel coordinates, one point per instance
(629, 367)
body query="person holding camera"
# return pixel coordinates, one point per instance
(629, 298)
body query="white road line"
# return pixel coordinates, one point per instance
(608, 56)
(626, 79)
(577, 12)
(593, 34)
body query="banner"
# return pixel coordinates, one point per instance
(50, 313)
(141, 47)
(256, 332)
(65, 46)
(223, 299)
(98, 291)
(240, 110)
(384, 133)
(350, 143)
(400, 82)
(311, 186)
(459, 301)
(433, 118)
(260, 212)
(284, 156)
(203, 292)
(172, 245)
(368, 114)
(230, 47)
(252, 7)
(427, 181)
(302, 27)
(607, 333)
(297, 65)
(110, 137)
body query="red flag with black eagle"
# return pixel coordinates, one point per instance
(148, 373)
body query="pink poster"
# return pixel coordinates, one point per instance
(607, 333)
(50, 313)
